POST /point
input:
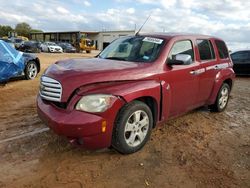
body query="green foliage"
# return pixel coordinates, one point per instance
(36, 31)
(4, 30)
(23, 29)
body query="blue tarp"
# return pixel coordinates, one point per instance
(11, 61)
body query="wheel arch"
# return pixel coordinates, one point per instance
(229, 81)
(36, 61)
(152, 104)
(217, 87)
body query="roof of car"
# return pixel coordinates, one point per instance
(172, 35)
(240, 50)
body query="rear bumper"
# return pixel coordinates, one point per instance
(77, 125)
(69, 51)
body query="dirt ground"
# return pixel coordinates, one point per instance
(199, 149)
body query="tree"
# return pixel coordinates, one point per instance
(23, 29)
(4, 30)
(36, 31)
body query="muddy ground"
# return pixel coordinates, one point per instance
(199, 149)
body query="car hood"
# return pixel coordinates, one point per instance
(74, 73)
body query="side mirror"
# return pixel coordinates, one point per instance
(180, 59)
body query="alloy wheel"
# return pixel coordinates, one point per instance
(32, 70)
(136, 128)
(223, 97)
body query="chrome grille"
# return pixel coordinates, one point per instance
(50, 89)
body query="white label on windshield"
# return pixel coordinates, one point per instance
(153, 40)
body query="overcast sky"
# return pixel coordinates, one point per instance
(228, 19)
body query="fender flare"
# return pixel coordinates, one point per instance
(221, 77)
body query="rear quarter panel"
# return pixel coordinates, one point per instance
(221, 76)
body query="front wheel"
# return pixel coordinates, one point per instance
(222, 99)
(31, 70)
(132, 127)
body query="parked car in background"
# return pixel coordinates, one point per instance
(241, 61)
(51, 47)
(135, 83)
(67, 47)
(30, 47)
(14, 63)
(17, 42)
(8, 41)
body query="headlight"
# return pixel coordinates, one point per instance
(95, 103)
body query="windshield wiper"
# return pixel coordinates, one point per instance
(116, 58)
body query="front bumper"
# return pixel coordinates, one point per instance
(55, 50)
(70, 50)
(79, 126)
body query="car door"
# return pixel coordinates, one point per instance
(208, 62)
(182, 79)
(241, 61)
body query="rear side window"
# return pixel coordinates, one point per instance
(182, 47)
(206, 50)
(222, 49)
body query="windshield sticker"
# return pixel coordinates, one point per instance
(152, 40)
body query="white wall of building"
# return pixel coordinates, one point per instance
(106, 37)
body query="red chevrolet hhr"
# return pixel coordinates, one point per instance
(118, 97)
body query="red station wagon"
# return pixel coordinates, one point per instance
(137, 82)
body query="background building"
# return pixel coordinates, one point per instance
(101, 39)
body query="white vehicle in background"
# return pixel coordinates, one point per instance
(51, 47)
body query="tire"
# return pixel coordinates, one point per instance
(221, 99)
(88, 51)
(31, 70)
(132, 127)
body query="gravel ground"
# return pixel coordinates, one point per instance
(199, 149)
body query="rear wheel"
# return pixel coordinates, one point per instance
(222, 98)
(132, 128)
(31, 70)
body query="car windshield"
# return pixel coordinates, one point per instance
(6, 48)
(89, 42)
(133, 48)
(8, 53)
(31, 43)
(18, 40)
(67, 44)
